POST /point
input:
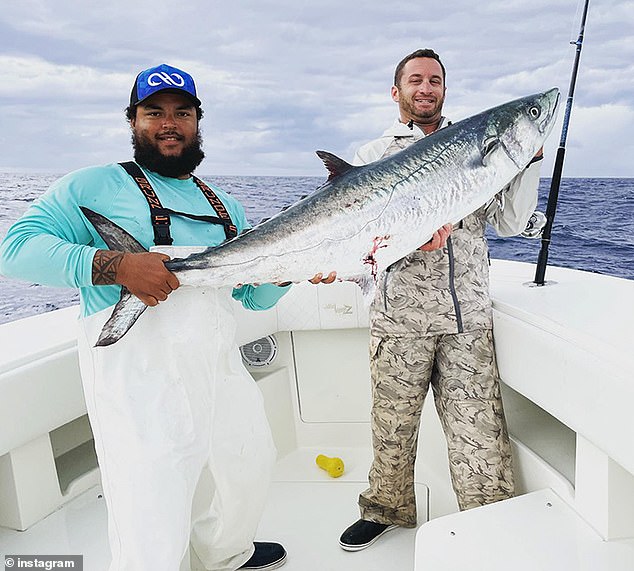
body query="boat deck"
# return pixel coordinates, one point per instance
(534, 531)
(574, 469)
(307, 510)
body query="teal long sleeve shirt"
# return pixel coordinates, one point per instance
(54, 244)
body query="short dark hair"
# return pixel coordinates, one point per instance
(398, 74)
(130, 112)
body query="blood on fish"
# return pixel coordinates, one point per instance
(376, 244)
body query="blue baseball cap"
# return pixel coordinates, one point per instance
(163, 78)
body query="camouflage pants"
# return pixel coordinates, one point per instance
(463, 374)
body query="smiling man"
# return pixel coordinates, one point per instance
(431, 326)
(175, 414)
(169, 149)
(419, 90)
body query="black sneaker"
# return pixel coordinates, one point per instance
(266, 556)
(362, 534)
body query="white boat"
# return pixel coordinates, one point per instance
(566, 356)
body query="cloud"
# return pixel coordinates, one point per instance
(34, 79)
(281, 79)
(593, 131)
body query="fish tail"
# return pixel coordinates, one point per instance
(129, 307)
(124, 315)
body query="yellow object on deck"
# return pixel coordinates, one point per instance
(334, 466)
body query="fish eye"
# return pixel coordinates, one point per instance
(534, 112)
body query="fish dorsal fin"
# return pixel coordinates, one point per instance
(336, 166)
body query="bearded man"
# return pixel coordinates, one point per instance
(175, 414)
(431, 327)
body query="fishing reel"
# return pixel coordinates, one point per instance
(535, 225)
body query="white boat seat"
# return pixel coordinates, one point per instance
(40, 391)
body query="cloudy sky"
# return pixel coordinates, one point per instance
(282, 78)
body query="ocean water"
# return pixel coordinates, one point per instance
(593, 230)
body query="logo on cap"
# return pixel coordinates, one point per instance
(163, 77)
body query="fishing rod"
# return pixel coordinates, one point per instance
(553, 195)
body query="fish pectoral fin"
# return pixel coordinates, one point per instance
(124, 315)
(336, 166)
(488, 146)
(115, 237)
(367, 283)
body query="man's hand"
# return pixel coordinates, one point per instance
(438, 240)
(144, 274)
(319, 278)
(539, 155)
(316, 279)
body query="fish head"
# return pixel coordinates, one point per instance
(519, 128)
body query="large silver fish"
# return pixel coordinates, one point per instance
(363, 219)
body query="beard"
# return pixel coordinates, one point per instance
(423, 117)
(147, 155)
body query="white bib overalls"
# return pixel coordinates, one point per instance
(184, 447)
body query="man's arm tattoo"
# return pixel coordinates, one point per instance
(105, 265)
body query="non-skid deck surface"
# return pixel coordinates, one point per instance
(308, 519)
(79, 528)
(306, 515)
